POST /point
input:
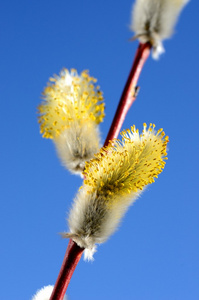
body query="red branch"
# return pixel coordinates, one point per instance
(129, 92)
(71, 259)
(74, 252)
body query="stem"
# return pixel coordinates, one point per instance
(74, 252)
(129, 92)
(71, 259)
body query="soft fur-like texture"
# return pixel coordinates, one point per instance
(77, 144)
(71, 110)
(113, 180)
(154, 20)
(45, 293)
(90, 221)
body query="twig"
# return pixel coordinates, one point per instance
(129, 93)
(71, 259)
(74, 252)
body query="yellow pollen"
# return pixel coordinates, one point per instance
(126, 167)
(68, 98)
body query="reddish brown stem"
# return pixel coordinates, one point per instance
(74, 252)
(129, 92)
(71, 259)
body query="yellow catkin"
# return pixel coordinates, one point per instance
(127, 166)
(68, 98)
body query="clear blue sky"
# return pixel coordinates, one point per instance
(155, 253)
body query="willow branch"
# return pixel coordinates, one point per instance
(130, 91)
(74, 252)
(71, 259)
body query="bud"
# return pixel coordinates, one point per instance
(70, 113)
(154, 20)
(113, 181)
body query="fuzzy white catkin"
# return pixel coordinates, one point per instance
(92, 222)
(154, 20)
(71, 110)
(77, 144)
(114, 179)
(45, 293)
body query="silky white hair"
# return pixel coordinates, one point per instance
(154, 20)
(91, 223)
(114, 179)
(77, 144)
(45, 293)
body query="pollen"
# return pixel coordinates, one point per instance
(126, 166)
(69, 98)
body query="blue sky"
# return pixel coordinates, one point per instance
(155, 253)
